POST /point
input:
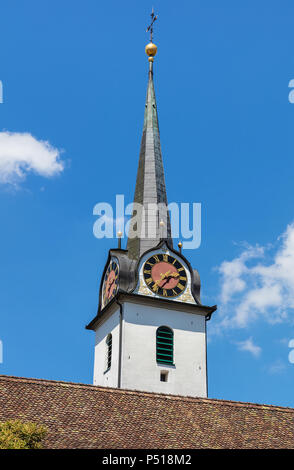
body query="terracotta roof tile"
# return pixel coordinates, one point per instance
(87, 416)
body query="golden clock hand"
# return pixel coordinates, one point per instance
(159, 280)
(169, 277)
(109, 285)
(162, 277)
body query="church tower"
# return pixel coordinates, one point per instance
(150, 328)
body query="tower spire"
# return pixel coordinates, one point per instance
(150, 225)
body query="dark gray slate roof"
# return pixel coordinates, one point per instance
(150, 184)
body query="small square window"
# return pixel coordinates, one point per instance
(163, 376)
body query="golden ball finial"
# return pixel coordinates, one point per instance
(151, 49)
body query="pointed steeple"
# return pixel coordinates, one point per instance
(150, 225)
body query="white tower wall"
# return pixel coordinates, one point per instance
(101, 377)
(139, 369)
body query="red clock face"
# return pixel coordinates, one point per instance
(110, 284)
(165, 275)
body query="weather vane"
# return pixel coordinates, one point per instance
(150, 27)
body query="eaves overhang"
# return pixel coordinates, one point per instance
(186, 307)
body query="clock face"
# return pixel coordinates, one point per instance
(110, 283)
(165, 275)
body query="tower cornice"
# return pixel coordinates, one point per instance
(203, 310)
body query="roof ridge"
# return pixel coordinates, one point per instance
(164, 396)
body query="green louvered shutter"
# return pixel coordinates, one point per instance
(164, 345)
(108, 351)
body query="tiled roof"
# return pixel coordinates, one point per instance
(86, 416)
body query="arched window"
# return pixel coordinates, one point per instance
(164, 345)
(108, 351)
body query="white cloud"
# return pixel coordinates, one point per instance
(233, 271)
(249, 346)
(21, 153)
(259, 284)
(277, 367)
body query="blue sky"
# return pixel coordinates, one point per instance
(74, 75)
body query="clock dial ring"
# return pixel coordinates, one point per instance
(165, 275)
